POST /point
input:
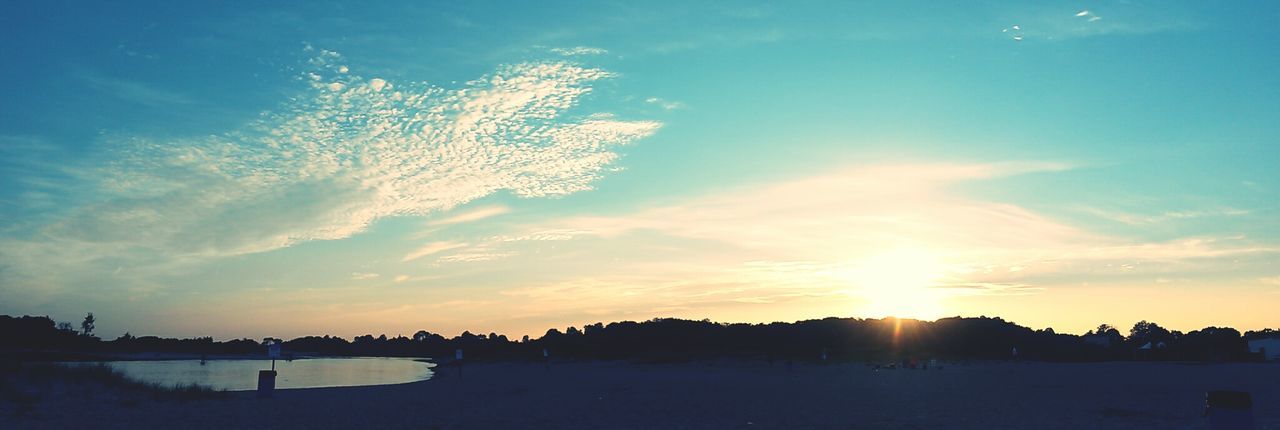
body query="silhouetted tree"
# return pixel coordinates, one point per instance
(670, 339)
(1110, 332)
(1144, 332)
(65, 326)
(86, 326)
(1261, 334)
(1213, 344)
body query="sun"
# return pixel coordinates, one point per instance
(898, 283)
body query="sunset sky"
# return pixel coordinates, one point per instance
(284, 169)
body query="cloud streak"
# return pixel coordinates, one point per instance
(431, 248)
(472, 215)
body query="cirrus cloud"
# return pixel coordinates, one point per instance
(326, 165)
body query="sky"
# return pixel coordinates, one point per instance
(256, 169)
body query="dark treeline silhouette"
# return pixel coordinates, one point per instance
(670, 339)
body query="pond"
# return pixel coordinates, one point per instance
(237, 375)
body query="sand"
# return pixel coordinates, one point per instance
(720, 395)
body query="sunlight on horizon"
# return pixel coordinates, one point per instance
(898, 283)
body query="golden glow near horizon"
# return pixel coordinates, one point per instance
(898, 283)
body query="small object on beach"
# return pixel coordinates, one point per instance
(266, 383)
(1229, 410)
(457, 359)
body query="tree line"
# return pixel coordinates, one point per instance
(671, 339)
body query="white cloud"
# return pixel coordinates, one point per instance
(1140, 219)
(471, 257)
(325, 166)
(472, 215)
(665, 104)
(1048, 22)
(360, 276)
(432, 248)
(578, 51)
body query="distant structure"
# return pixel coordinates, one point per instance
(1268, 347)
(1097, 339)
(1148, 346)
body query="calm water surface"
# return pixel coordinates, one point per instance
(238, 375)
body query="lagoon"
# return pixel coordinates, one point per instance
(239, 375)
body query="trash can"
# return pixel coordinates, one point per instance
(1229, 410)
(266, 383)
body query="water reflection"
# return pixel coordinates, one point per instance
(236, 375)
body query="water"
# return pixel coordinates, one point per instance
(237, 375)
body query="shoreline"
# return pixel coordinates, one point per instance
(721, 394)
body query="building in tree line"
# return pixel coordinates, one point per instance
(1098, 339)
(1268, 347)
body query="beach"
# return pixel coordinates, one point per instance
(717, 395)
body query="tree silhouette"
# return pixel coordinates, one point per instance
(1144, 332)
(672, 340)
(86, 326)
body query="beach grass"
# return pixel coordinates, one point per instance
(21, 383)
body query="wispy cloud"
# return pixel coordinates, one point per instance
(1141, 219)
(348, 151)
(431, 248)
(472, 215)
(135, 91)
(578, 51)
(1051, 22)
(665, 104)
(800, 239)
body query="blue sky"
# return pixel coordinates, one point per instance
(299, 168)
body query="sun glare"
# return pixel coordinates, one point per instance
(898, 283)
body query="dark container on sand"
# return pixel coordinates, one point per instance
(1229, 410)
(266, 383)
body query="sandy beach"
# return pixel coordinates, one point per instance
(720, 395)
